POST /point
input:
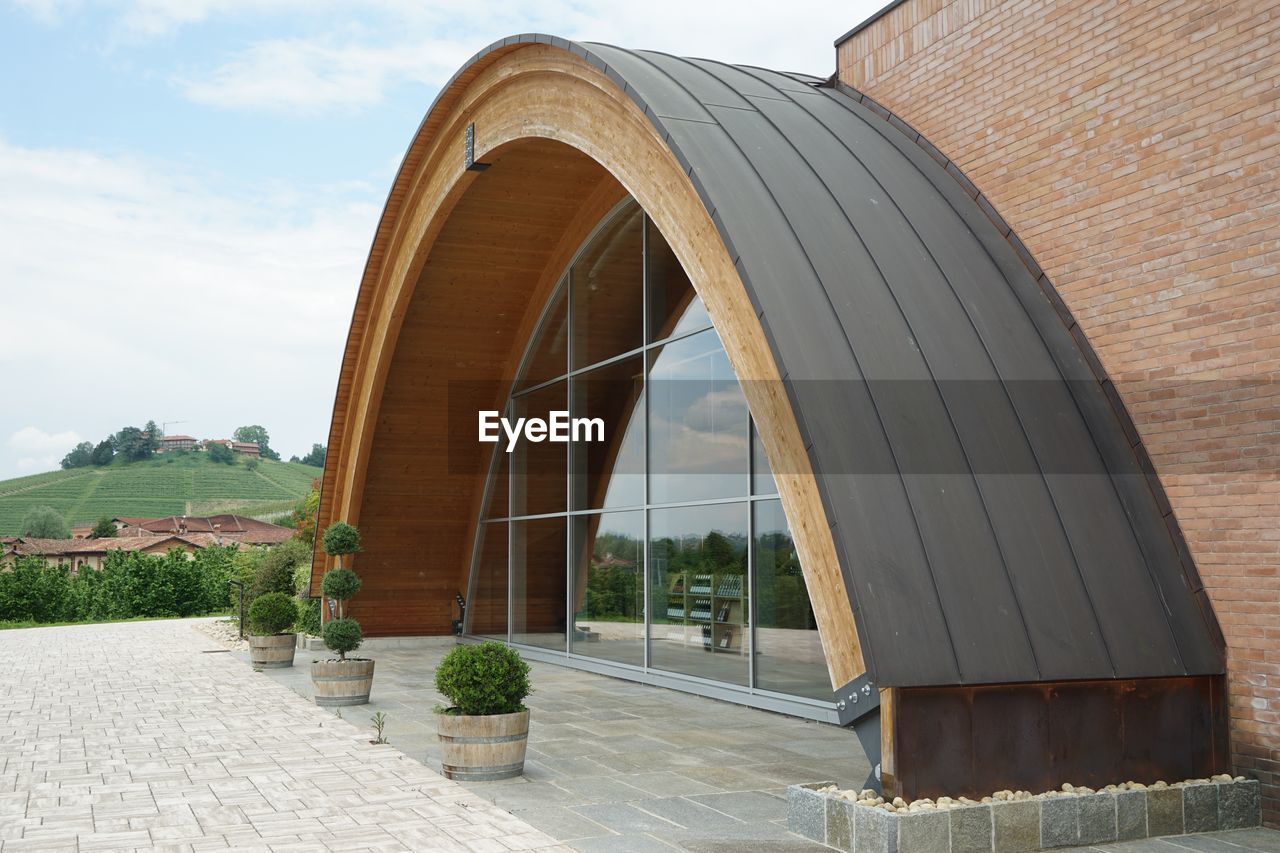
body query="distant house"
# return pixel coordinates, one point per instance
(176, 442)
(244, 448)
(248, 531)
(90, 553)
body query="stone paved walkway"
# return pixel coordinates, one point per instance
(130, 736)
(619, 766)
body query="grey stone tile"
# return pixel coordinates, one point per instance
(561, 823)
(971, 829)
(729, 779)
(666, 783)
(806, 813)
(1200, 808)
(1016, 826)
(874, 831)
(688, 813)
(840, 823)
(597, 789)
(750, 845)
(749, 806)
(1097, 818)
(1131, 815)
(1264, 840)
(1205, 843)
(636, 842)
(625, 819)
(927, 832)
(1239, 806)
(1164, 811)
(1059, 821)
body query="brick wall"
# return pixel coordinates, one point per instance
(1134, 148)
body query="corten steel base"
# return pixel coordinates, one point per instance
(971, 741)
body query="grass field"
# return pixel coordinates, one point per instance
(170, 484)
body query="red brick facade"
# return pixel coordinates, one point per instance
(1134, 148)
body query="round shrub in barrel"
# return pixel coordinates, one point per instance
(271, 636)
(485, 730)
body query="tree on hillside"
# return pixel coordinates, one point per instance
(103, 453)
(221, 453)
(133, 444)
(45, 522)
(153, 435)
(103, 528)
(315, 457)
(257, 434)
(80, 456)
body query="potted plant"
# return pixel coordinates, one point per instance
(344, 681)
(271, 637)
(484, 732)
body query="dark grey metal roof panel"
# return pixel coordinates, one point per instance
(992, 521)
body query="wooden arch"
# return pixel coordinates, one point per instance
(460, 266)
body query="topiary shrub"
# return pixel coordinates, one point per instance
(340, 584)
(273, 613)
(342, 636)
(483, 679)
(341, 539)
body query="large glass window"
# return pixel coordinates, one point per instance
(608, 588)
(788, 653)
(662, 547)
(699, 590)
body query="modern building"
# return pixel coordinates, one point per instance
(176, 442)
(883, 360)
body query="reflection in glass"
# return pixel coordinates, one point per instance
(699, 592)
(697, 423)
(549, 356)
(610, 473)
(487, 609)
(762, 482)
(538, 593)
(788, 652)
(499, 483)
(607, 287)
(608, 589)
(540, 467)
(674, 307)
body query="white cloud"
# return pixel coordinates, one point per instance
(37, 450)
(304, 76)
(130, 285)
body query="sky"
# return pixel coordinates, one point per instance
(189, 188)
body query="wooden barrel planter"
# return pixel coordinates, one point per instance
(341, 682)
(482, 749)
(273, 651)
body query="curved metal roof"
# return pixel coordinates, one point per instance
(994, 523)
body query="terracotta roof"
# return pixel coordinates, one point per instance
(68, 547)
(226, 523)
(177, 438)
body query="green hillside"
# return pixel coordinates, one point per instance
(170, 484)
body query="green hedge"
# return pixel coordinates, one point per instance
(129, 585)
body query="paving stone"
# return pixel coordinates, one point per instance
(841, 823)
(971, 829)
(1016, 825)
(1131, 815)
(688, 814)
(1200, 808)
(1164, 811)
(806, 812)
(747, 805)
(625, 818)
(1239, 806)
(1059, 821)
(1097, 818)
(926, 832)
(873, 831)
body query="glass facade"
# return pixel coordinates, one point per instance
(664, 547)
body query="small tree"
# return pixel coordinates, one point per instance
(221, 453)
(45, 522)
(490, 678)
(80, 456)
(103, 453)
(341, 585)
(341, 539)
(342, 636)
(103, 528)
